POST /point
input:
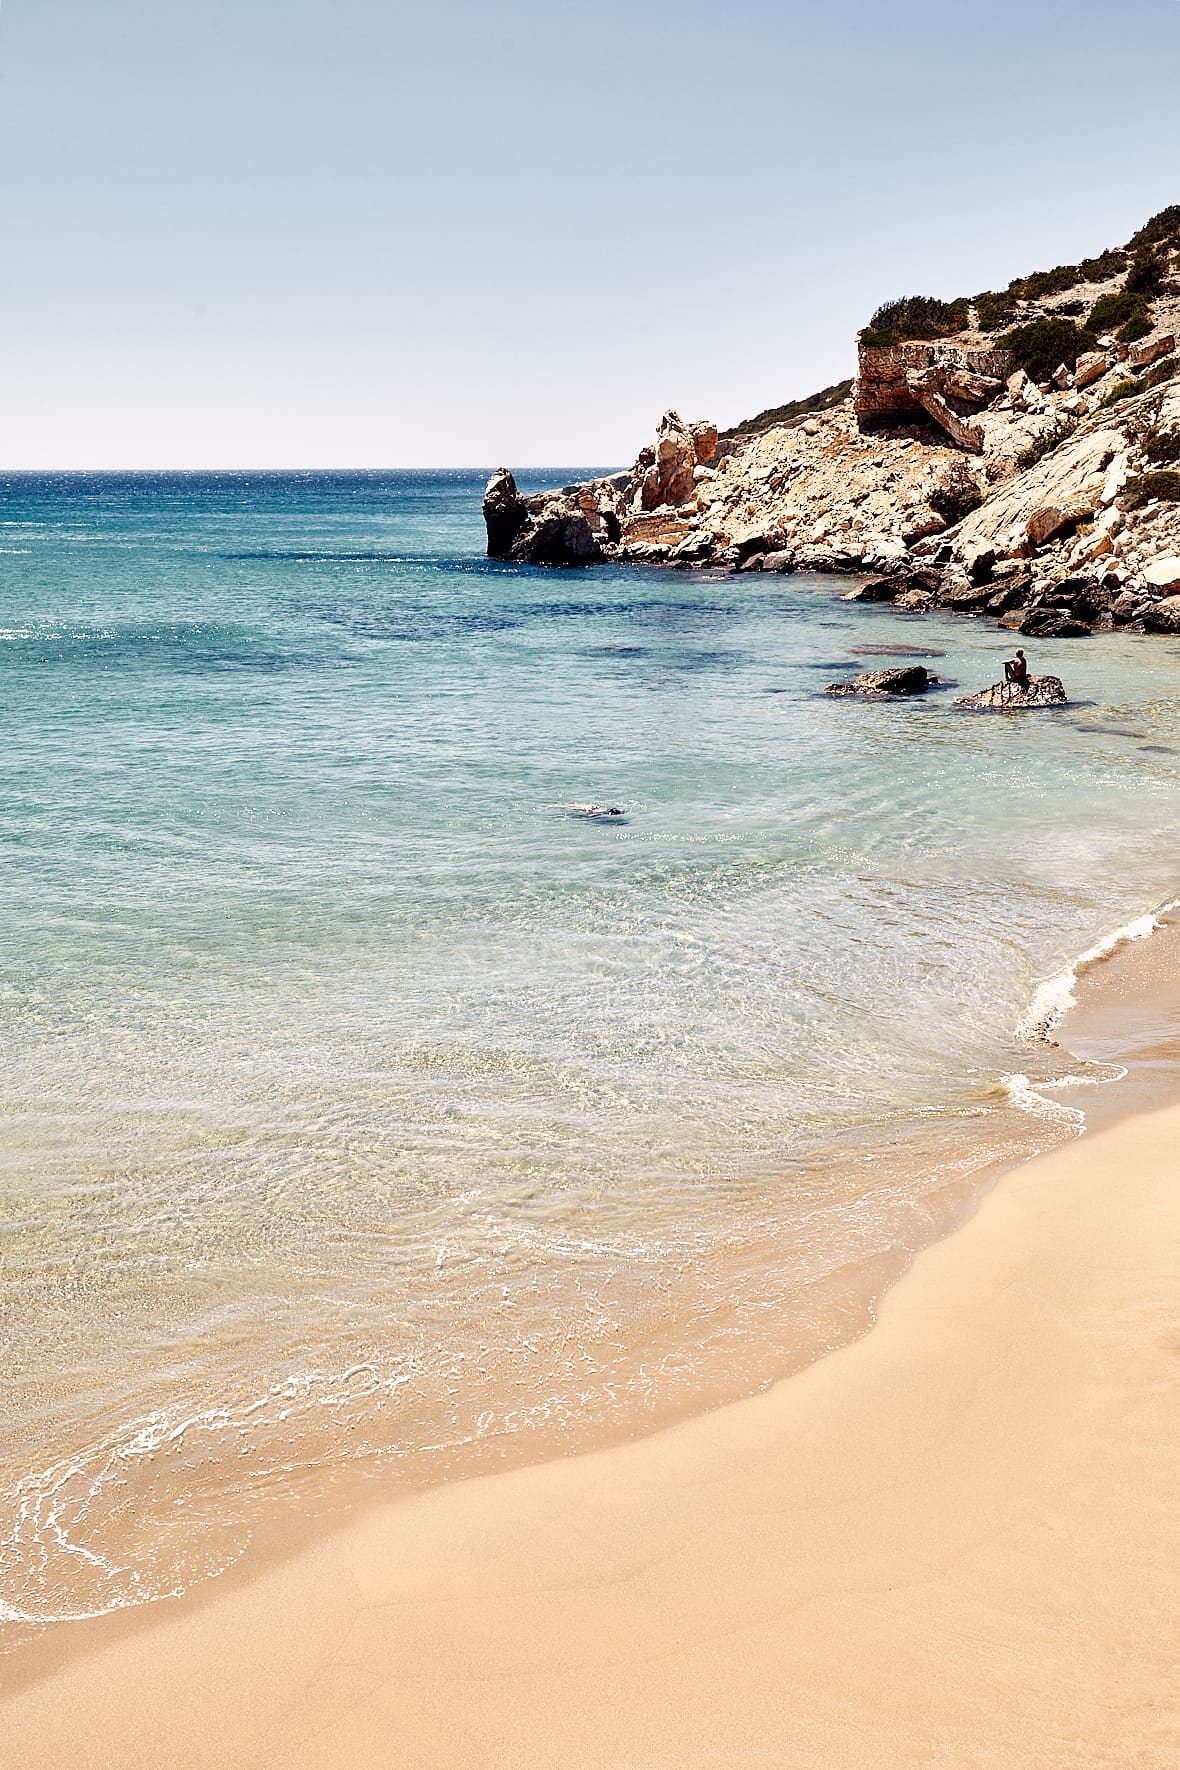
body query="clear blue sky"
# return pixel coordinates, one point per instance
(378, 234)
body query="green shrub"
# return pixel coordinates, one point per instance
(1165, 486)
(1040, 283)
(1059, 432)
(1116, 309)
(1138, 326)
(1160, 372)
(1123, 390)
(955, 502)
(796, 409)
(915, 317)
(1040, 346)
(993, 311)
(1110, 263)
(1163, 229)
(1162, 446)
(1147, 272)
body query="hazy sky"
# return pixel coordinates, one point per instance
(378, 234)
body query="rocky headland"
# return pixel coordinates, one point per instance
(1012, 454)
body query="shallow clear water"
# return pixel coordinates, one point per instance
(362, 1102)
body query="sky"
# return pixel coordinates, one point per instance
(372, 234)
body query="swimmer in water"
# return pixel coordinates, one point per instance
(593, 810)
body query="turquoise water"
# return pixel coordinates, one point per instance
(365, 1104)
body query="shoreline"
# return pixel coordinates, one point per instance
(218, 1626)
(840, 1307)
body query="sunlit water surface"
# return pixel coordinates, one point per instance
(365, 1106)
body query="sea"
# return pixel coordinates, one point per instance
(378, 1114)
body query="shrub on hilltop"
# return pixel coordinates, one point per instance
(915, 317)
(1039, 347)
(1114, 310)
(1147, 272)
(1124, 312)
(1162, 230)
(794, 411)
(994, 311)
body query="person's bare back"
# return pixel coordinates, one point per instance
(1016, 671)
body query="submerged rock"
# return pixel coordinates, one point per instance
(912, 679)
(1042, 691)
(875, 590)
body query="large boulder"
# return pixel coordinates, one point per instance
(1054, 623)
(875, 590)
(1067, 476)
(1042, 691)
(1162, 344)
(1161, 617)
(1163, 573)
(782, 559)
(554, 534)
(667, 473)
(560, 539)
(912, 679)
(1090, 367)
(1051, 520)
(504, 512)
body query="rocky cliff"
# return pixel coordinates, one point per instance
(1021, 458)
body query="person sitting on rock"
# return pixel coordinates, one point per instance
(1016, 671)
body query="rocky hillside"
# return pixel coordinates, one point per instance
(1016, 453)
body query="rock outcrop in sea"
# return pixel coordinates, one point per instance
(874, 684)
(1003, 697)
(1019, 458)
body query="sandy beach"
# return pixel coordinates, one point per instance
(952, 1543)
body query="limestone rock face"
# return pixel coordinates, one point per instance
(560, 539)
(1090, 368)
(1149, 350)
(1162, 617)
(667, 473)
(897, 381)
(504, 512)
(1072, 474)
(1163, 573)
(551, 534)
(929, 389)
(1042, 691)
(948, 475)
(1051, 520)
(704, 435)
(912, 679)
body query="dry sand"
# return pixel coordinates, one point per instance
(955, 1543)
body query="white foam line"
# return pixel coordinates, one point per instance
(1053, 999)
(1026, 1098)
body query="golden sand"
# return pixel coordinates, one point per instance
(954, 1543)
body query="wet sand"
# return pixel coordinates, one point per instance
(955, 1542)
